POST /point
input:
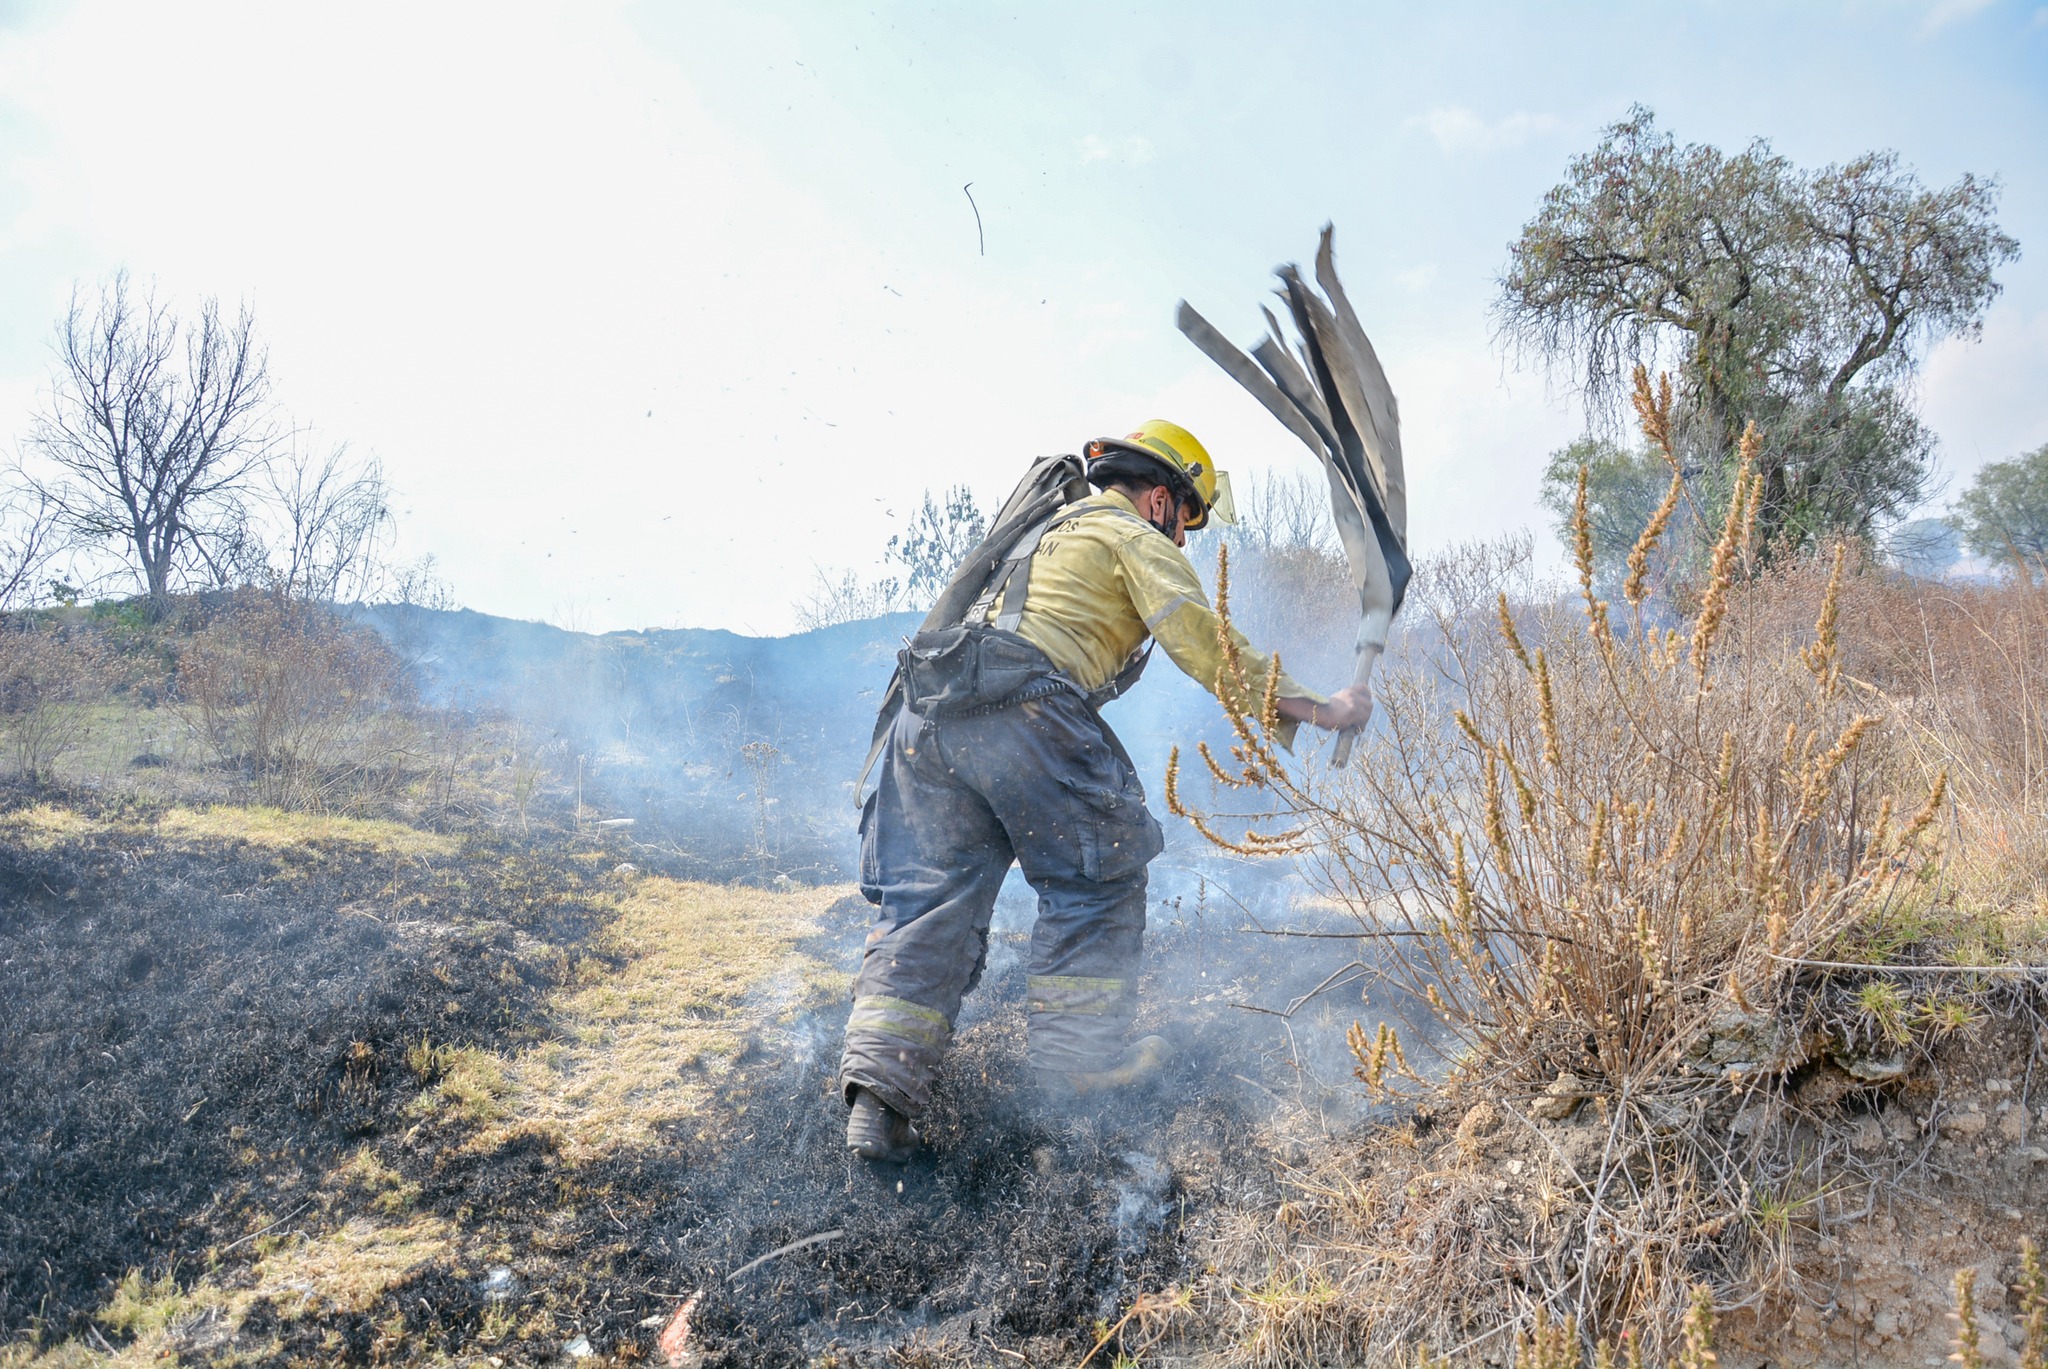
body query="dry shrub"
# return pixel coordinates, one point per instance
(299, 702)
(50, 676)
(2030, 1311)
(1600, 844)
(1961, 670)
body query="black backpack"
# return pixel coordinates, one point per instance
(955, 664)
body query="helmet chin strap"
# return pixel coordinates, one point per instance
(1166, 528)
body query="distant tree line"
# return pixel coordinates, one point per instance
(921, 559)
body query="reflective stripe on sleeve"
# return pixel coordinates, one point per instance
(1167, 610)
(900, 1018)
(1075, 994)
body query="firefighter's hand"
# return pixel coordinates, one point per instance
(1346, 708)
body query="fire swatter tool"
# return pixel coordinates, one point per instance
(1328, 388)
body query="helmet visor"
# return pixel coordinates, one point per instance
(1223, 508)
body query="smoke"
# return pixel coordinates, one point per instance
(737, 756)
(1141, 1201)
(1022, 1217)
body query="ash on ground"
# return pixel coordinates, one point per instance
(1022, 1225)
(204, 1049)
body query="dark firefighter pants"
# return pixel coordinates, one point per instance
(1043, 783)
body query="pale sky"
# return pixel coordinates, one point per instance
(650, 309)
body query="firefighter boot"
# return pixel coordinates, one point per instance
(1141, 1065)
(876, 1131)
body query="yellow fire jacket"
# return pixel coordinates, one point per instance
(1102, 583)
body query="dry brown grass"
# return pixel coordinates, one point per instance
(346, 1268)
(645, 1046)
(278, 829)
(1960, 672)
(50, 676)
(43, 825)
(350, 1266)
(302, 705)
(1606, 847)
(646, 1034)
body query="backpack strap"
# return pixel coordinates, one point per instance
(1017, 585)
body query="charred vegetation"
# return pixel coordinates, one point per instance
(200, 1023)
(298, 1090)
(401, 985)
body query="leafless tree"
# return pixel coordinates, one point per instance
(28, 536)
(418, 584)
(334, 524)
(1281, 514)
(846, 599)
(155, 426)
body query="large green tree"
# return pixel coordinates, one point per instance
(1624, 485)
(1802, 301)
(2004, 513)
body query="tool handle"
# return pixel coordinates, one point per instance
(1341, 756)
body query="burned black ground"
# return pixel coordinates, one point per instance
(1019, 1230)
(201, 1037)
(1021, 1226)
(193, 1031)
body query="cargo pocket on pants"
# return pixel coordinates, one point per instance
(1119, 836)
(870, 858)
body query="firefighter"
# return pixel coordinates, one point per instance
(1028, 771)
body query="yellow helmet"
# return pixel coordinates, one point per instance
(1184, 456)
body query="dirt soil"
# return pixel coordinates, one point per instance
(228, 1047)
(1944, 1169)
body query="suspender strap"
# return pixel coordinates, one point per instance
(1012, 577)
(1016, 585)
(1011, 583)
(885, 721)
